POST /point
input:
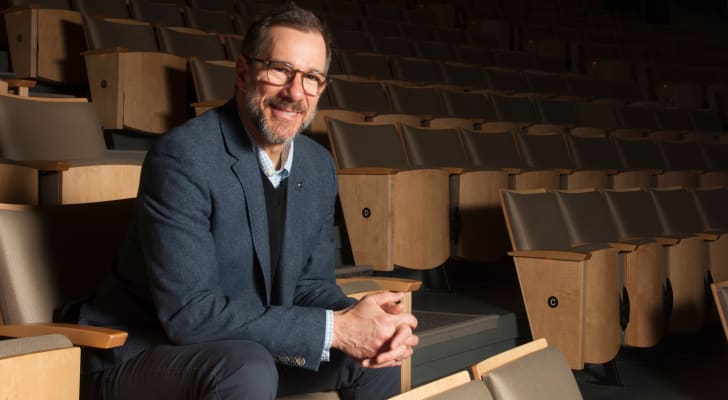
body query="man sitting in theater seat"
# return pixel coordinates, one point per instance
(226, 280)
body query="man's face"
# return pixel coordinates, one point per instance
(279, 113)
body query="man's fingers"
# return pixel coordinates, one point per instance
(382, 298)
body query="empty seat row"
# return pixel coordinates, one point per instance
(357, 41)
(599, 269)
(480, 163)
(535, 112)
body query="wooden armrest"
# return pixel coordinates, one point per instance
(80, 335)
(551, 255)
(667, 241)
(512, 171)
(48, 165)
(20, 83)
(367, 171)
(709, 236)
(108, 50)
(564, 171)
(387, 283)
(453, 170)
(624, 246)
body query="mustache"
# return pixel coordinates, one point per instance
(283, 104)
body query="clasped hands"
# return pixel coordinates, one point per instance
(376, 330)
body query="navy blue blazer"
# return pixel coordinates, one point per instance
(195, 266)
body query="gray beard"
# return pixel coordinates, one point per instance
(258, 119)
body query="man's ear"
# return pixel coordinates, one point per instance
(241, 72)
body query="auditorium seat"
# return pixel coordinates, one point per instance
(571, 292)
(382, 27)
(548, 151)
(106, 8)
(359, 95)
(498, 148)
(637, 217)
(393, 46)
(417, 70)
(642, 265)
(529, 371)
(692, 156)
(680, 215)
(544, 83)
(134, 86)
(55, 255)
(214, 83)
(454, 386)
(476, 55)
(472, 105)
(47, 42)
(466, 75)
(189, 42)
(505, 80)
(381, 197)
(353, 40)
(167, 14)
(643, 154)
(67, 144)
(217, 5)
(477, 234)
(435, 50)
(365, 65)
(599, 152)
(209, 20)
(424, 102)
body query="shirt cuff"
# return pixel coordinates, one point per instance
(328, 336)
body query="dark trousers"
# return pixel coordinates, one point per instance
(233, 369)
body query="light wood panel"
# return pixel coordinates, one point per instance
(146, 91)
(48, 375)
(644, 276)
(686, 270)
(436, 387)
(86, 184)
(484, 367)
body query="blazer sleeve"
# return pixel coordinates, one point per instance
(181, 265)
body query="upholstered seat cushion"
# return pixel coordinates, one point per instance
(546, 373)
(33, 344)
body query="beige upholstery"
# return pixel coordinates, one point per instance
(69, 142)
(456, 386)
(213, 80)
(387, 221)
(474, 191)
(637, 217)
(77, 242)
(571, 293)
(187, 42)
(543, 374)
(39, 368)
(642, 265)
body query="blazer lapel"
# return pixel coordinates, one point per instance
(246, 169)
(291, 251)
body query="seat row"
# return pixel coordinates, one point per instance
(478, 165)
(600, 269)
(535, 112)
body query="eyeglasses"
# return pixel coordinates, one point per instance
(279, 73)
